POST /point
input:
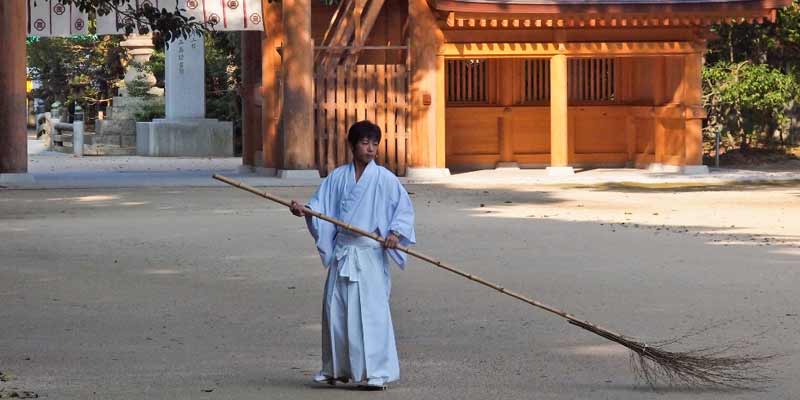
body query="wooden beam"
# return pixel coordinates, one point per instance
(357, 28)
(460, 20)
(722, 8)
(373, 10)
(343, 28)
(331, 25)
(511, 50)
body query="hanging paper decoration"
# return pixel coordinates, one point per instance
(227, 15)
(47, 18)
(243, 15)
(114, 22)
(53, 18)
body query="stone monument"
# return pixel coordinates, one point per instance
(185, 131)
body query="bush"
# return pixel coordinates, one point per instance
(748, 102)
(149, 111)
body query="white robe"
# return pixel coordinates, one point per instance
(357, 335)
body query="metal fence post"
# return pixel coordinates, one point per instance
(716, 148)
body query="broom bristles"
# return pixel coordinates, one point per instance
(710, 366)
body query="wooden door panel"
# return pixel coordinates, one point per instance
(530, 130)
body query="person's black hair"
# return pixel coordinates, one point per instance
(363, 129)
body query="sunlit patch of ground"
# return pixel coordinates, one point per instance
(163, 271)
(684, 186)
(741, 214)
(600, 350)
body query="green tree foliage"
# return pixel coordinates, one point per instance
(748, 101)
(83, 69)
(223, 76)
(776, 44)
(751, 81)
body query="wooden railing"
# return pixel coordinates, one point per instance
(378, 93)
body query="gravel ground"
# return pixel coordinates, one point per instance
(194, 293)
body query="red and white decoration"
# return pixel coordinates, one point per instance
(227, 15)
(114, 23)
(53, 18)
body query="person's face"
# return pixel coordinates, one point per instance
(365, 150)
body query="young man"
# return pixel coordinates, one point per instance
(357, 335)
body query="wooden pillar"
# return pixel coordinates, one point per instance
(251, 99)
(695, 113)
(298, 96)
(659, 138)
(427, 73)
(441, 109)
(630, 139)
(271, 145)
(507, 100)
(13, 130)
(559, 118)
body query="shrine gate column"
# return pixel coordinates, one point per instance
(298, 96)
(271, 147)
(427, 106)
(251, 99)
(13, 129)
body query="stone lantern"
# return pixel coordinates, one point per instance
(140, 48)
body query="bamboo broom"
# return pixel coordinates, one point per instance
(651, 362)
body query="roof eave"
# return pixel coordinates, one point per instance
(487, 6)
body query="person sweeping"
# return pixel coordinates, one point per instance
(358, 340)
(361, 216)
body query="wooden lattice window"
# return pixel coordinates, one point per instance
(536, 73)
(479, 82)
(592, 80)
(467, 81)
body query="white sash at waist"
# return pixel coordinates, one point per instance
(354, 252)
(344, 238)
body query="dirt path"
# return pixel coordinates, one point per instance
(187, 293)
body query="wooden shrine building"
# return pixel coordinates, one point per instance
(458, 84)
(465, 84)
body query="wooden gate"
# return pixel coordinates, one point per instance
(378, 93)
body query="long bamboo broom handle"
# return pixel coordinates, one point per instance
(571, 318)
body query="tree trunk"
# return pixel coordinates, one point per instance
(745, 144)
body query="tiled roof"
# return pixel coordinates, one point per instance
(588, 2)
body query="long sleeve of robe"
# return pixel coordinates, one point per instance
(357, 334)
